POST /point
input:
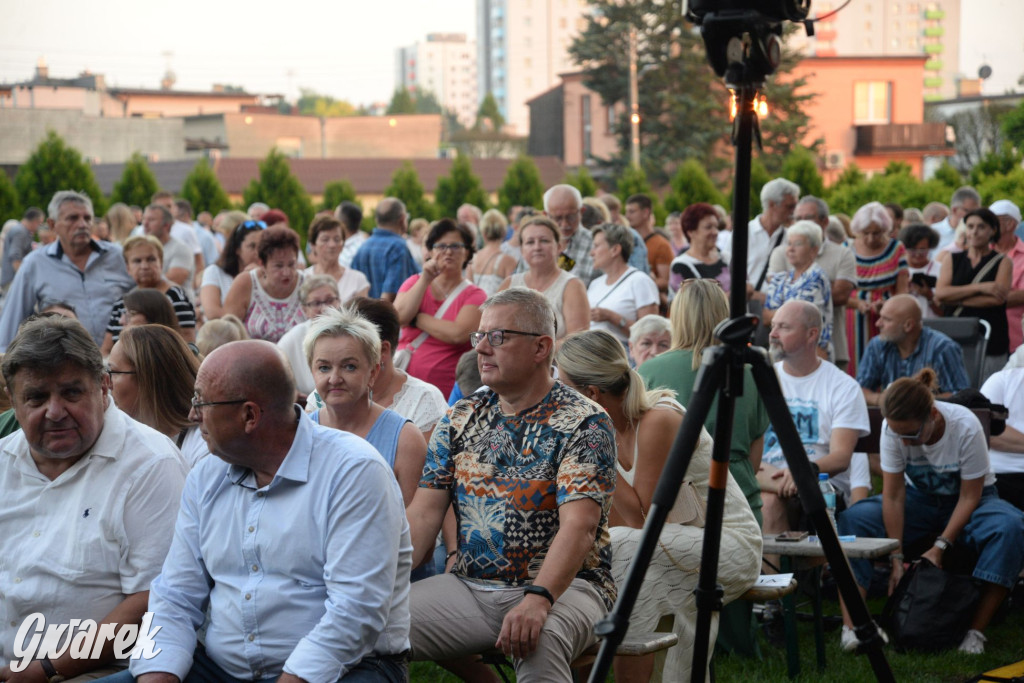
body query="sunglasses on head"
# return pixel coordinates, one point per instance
(253, 225)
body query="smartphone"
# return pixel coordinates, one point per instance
(792, 536)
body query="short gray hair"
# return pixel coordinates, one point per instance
(820, 206)
(809, 230)
(67, 197)
(533, 311)
(344, 322)
(563, 188)
(872, 212)
(649, 324)
(964, 193)
(316, 282)
(616, 234)
(389, 211)
(45, 343)
(775, 190)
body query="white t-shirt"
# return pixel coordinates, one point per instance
(291, 346)
(1007, 387)
(214, 275)
(182, 232)
(352, 245)
(860, 471)
(177, 255)
(961, 453)
(632, 291)
(947, 233)
(352, 282)
(820, 402)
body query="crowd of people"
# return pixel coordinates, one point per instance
(438, 439)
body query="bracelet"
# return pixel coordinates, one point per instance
(450, 554)
(534, 589)
(896, 556)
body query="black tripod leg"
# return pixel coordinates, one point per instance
(613, 628)
(814, 505)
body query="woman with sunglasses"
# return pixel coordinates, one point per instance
(238, 255)
(436, 343)
(937, 483)
(266, 298)
(327, 240)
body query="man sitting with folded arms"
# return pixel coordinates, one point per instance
(529, 466)
(827, 408)
(903, 347)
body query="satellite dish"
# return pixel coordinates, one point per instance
(984, 72)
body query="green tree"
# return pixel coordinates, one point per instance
(460, 186)
(54, 166)
(1003, 186)
(9, 206)
(634, 181)
(995, 163)
(582, 181)
(402, 102)
(949, 176)
(1013, 126)
(758, 177)
(336, 192)
(137, 184)
(488, 116)
(426, 103)
(314, 104)
(406, 185)
(801, 166)
(690, 185)
(522, 185)
(277, 187)
(203, 190)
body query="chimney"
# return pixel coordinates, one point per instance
(42, 71)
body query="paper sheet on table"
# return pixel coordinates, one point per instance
(773, 580)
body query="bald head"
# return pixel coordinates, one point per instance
(804, 312)
(255, 370)
(900, 319)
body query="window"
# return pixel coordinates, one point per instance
(872, 102)
(612, 118)
(585, 112)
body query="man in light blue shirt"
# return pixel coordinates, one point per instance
(295, 536)
(89, 275)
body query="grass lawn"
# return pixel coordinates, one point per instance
(1005, 645)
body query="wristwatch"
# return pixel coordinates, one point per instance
(534, 589)
(51, 673)
(942, 543)
(622, 322)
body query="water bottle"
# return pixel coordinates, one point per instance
(828, 492)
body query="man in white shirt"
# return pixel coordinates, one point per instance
(827, 406)
(89, 500)
(767, 229)
(964, 199)
(351, 217)
(178, 261)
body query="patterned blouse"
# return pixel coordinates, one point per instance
(812, 286)
(508, 474)
(269, 318)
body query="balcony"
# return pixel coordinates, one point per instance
(933, 82)
(933, 48)
(900, 137)
(933, 65)
(934, 31)
(934, 14)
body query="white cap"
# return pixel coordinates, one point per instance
(1004, 207)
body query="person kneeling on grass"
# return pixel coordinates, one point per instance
(935, 464)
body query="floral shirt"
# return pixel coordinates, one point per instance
(508, 474)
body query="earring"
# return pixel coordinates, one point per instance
(371, 395)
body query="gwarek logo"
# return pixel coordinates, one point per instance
(85, 640)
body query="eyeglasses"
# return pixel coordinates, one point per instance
(323, 303)
(497, 337)
(565, 218)
(449, 247)
(253, 225)
(909, 437)
(197, 405)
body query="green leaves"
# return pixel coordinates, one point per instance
(280, 189)
(55, 166)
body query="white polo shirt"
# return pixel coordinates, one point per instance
(75, 547)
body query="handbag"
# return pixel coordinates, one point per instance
(931, 609)
(404, 356)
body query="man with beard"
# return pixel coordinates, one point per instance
(904, 346)
(828, 409)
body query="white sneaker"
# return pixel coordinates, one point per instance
(849, 642)
(974, 643)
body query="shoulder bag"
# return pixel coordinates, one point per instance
(404, 356)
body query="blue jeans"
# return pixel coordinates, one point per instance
(995, 531)
(372, 669)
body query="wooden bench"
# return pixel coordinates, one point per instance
(634, 645)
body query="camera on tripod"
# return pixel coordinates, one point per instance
(743, 37)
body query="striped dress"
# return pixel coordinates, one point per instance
(876, 281)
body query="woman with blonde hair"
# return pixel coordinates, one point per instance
(595, 364)
(937, 483)
(217, 333)
(121, 222)
(490, 266)
(152, 378)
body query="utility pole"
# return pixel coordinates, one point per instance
(634, 102)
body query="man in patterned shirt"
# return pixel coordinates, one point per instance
(529, 467)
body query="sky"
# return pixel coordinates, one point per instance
(342, 48)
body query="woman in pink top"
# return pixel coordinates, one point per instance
(266, 298)
(420, 297)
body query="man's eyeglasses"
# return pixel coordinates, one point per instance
(197, 405)
(252, 225)
(322, 303)
(497, 337)
(565, 218)
(909, 437)
(454, 246)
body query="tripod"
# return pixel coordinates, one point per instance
(722, 371)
